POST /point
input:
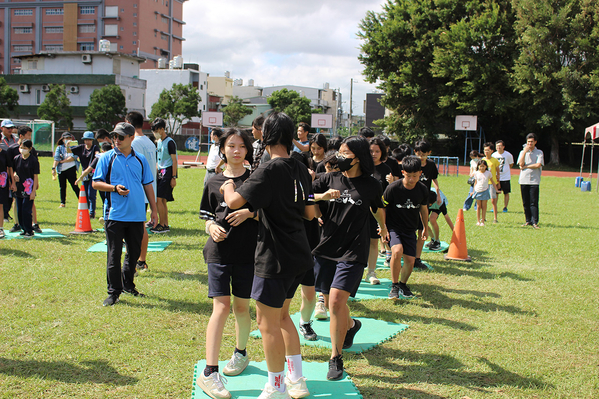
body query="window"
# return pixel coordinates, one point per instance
(22, 30)
(134, 33)
(134, 14)
(112, 11)
(164, 20)
(155, 34)
(163, 36)
(54, 11)
(201, 87)
(121, 47)
(111, 30)
(19, 13)
(122, 28)
(38, 97)
(32, 64)
(88, 28)
(22, 48)
(134, 5)
(87, 10)
(16, 61)
(134, 42)
(54, 29)
(53, 47)
(134, 23)
(122, 10)
(86, 46)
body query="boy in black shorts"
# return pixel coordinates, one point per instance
(406, 202)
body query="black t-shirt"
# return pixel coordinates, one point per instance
(280, 189)
(321, 168)
(13, 151)
(403, 205)
(4, 164)
(239, 246)
(25, 169)
(429, 173)
(345, 234)
(85, 156)
(380, 173)
(395, 169)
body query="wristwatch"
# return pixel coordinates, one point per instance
(115, 188)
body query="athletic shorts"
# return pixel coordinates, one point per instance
(345, 276)
(309, 278)
(4, 199)
(374, 228)
(222, 277)
(442, 209)
(408, 240)
(506, 186)
(492, 191)
(274, 291)
(163, 184)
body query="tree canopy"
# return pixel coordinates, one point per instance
(293, 104)
(56, 107)
(235, 111)
(520, 65)
(106, 106)
(176, 105)
(9, 98)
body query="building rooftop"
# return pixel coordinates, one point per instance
(52, 54)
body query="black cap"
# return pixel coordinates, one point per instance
(124, 129)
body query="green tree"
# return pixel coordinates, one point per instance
(106, 106)
(235, 111)
(557, 71)
(291, 103)
(57, 107)
(176, 105)
(9, 98)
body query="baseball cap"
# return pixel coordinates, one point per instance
(7, 123)
(124, 129)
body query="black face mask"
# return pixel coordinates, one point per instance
(343, 163)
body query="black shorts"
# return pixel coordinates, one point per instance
(506, 186)
(344, 276)
(4, 199)
(163, 184)
(407, 240)
(222, 277)
(374, 228)
(442, 209)
(274, 291)
(309, 278)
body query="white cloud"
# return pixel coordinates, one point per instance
(276, 42)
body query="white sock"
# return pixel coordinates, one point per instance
(277, 381)
(294, 367)
(302, 322)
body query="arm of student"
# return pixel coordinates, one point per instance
(439, 199)
(238, 217)
(34, 190)
(120, 189)
(149, 190)
(327, 195)
(521, 159)
(302, 147)
(216, 231)
(424, 217)
(175, 170)
(83, 174)
(233, 199)
(309, 212)
(11, 181)
(380, 218)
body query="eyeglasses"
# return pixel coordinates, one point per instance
(117, 136)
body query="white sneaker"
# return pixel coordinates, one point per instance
(298, 389)
(371, 277)
(320, 311)
(270, 392)
(213, 385)
(1, 233)
(236, 365)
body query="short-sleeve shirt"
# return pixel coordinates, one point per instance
(345, 235)
(26, 169)
(85, 156)
(143, 145)
(443, 200)
(164, 149)
(493, 166)
(429, 173)
(6, 142)
(240, 245)
(131, 171)
(380, 173)
(280, 189)
(13, 151)
(403, 205)
(296, 149)
(395, 169)
(531, 176)
(505, 160)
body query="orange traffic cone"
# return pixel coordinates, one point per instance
(457, 247)
(83, 224)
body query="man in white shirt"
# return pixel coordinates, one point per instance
(506, 161)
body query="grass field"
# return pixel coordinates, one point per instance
(520, 321)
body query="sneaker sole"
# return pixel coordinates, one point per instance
(320, 317)
(205, 389)
(233, 373)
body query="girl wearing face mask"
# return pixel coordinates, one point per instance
(26, 170)
(342, 254)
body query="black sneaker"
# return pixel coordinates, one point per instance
(351, 333)
(394, 293)
(166, 229)
(435, 246)
(1, 233)
(159, 229)
(307, 331)
(36, 228)
(134, 292)
(429, 244)
(419, 265)
(404, 291)
(15, 228)
(111, 300)
(28, 234)
(141, 266)
(335, 368)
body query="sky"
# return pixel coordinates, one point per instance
(279, 42)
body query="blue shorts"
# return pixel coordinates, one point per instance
(222, 277)
(407, 240)
(345, 276)
(274, 291)
(482, 196)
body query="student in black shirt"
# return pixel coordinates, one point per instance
(86, 153)
(406, 202)
(26, 170)
(342, 254)
(4, 186)
(229, 254)
(318, 147)
(281, 191)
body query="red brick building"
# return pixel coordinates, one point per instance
(152, 29)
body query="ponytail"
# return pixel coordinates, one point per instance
(258, 156)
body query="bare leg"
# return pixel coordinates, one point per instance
(449, 222)
(396, 254)
(216, 325)
(494, 205)
(419, 244)
(408, 266)
(484, 210)
(243, 322)
(339, 319)
(308, 302)
(289, 332)
(479, 211)
(34, 214)
(373, 254)
(269, 323)
(506, 200)
(433, 220)
(162, 211)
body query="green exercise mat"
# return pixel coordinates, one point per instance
(250, 383)
(46, 233)
(372, 333)
(380, 264)
(368, 291)
(444, 248)
(153, 246)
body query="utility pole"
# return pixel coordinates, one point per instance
(351, 92)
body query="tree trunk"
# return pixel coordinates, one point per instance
(554, 155)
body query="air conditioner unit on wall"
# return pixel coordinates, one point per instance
(24, 88)
(46, 88)
(74, 89)
(86, 58)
